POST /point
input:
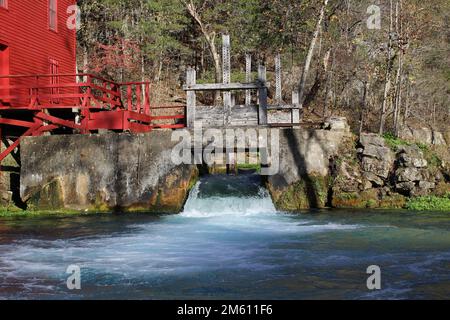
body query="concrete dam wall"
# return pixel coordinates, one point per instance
(123, 172)
(308, 169)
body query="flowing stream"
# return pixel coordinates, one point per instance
(229, 243)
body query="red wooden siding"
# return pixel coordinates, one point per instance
(4, 69)
(25, 30)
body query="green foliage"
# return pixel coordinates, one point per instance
(433, 160)
(305, 194)
(18, 213)
(430, 203)
(248, 166)
(393, 142)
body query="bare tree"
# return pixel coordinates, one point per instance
(387, 84)
(310, 55)
(210, 37)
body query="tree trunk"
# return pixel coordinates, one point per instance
(311, 54)
(408, 92)
(210, 37)
(387, 85)
(363, 106)
(329, 84)
(398, 95)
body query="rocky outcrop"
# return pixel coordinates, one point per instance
(412, 176)
(424, 135)
(377, 160)
(336, 124)
(380, 176)
(362, 176)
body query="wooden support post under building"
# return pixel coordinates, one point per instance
(191, 80)
(248, 78)
(226, 61)
(262, 95)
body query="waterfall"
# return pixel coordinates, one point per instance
(229, 196)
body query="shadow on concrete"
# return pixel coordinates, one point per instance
(300, 162)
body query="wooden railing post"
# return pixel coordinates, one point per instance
(278, 86)
(147, 99)
(129, 98)
(296, 104)
(262, 95)
(191, 79)
(226, 61)
(85, 111)
(248, 78)
(138, 98)
(35, 97)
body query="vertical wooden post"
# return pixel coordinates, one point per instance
(226, 61)
(138, 98)
(191, 79)
(248, 78)
(262, 95)
(278, 92)
(86, 112)
(296, 103)
(147, 99)
(129, 98)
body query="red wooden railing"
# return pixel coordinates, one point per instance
(100, 103)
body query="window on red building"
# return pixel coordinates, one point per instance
(53, 14)
(4, 4)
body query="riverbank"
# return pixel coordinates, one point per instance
(420, 204)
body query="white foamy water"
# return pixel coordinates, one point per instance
(260, 204)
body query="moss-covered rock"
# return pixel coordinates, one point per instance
(310, 192)
(49, 197)
(365, 199)
(394, 201)
(172, 195)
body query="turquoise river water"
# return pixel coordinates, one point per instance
(229, 243)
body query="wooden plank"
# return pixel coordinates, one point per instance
(262, 95)
(296, 112)
(226, 68)
(18, 123)
(226, 59)
(191, 98)
(283, 107)
(224, 87)
(278, 85)
(58, 121)
(248, 78)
